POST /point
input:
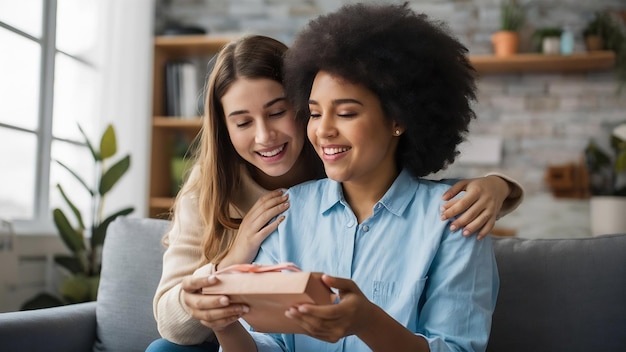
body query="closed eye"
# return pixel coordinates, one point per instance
(278, 114)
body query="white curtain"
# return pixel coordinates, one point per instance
(126, 57)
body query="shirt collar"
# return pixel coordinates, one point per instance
(396, 199)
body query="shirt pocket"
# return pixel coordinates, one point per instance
(400, 300)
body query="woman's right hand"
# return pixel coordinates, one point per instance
(254, 228)
(213, 311)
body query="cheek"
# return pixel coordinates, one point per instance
(239, 139)
(310, 131)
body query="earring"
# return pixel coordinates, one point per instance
(397, 132)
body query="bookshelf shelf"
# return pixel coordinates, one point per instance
(166, 129)
(577, 62)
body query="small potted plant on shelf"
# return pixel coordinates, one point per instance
(608, 183)
(605, 32)
(595, 31)
(512, 18)
(548, 40)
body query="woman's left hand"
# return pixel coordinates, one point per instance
(332, 322)
(480, 205)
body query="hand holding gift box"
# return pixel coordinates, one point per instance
(269, 292)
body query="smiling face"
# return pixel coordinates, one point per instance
(350, 133)
(262, 126)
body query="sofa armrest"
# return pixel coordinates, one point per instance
(65, 328)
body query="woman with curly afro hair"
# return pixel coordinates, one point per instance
(387, 96)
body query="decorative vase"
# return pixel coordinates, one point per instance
(505, 43)
(608, 215)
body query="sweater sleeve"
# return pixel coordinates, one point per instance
(514, 199)
(182, 257)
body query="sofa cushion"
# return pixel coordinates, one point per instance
(131, 270)
(560, 295)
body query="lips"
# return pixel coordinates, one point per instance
(272, 152)
(334, 150)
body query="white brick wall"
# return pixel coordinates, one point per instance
(543, 118)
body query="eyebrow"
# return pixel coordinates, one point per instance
(338, 102)
(265, 106)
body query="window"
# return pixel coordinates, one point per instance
(50, 84)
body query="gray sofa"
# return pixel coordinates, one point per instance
(555, 295)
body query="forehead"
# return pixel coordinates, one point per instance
(251, 93)
(334, 87)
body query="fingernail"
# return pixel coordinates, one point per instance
(466, 233)
(224, 301)
(443, 217)
(212, 279)
(245, 309)
(286, 205)
(453, 227)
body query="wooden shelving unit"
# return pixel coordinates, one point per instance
(166, 128)
(598, 60)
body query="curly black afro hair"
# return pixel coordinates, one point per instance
(420, 73)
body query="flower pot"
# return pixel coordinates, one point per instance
(594, 43)
(551, 45)
(608, 215)
(505, 43)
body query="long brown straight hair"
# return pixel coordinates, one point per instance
(216, 160)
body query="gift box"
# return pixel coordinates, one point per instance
(269, 291)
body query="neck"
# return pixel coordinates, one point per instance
(362, 195)
(301, 171)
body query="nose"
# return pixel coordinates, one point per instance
(264, 133)
(325, 126)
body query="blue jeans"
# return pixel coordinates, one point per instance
(162, 345)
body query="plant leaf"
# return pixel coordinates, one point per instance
(108, 143)
(68, 262)
(620, 162)
(94, 282)
(113, 174)
(75, 210)
(76, 289)
(82, 182)
(596, 157)
(94, 153)
(99, 233)
(72, 239)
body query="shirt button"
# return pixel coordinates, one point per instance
(366, 228)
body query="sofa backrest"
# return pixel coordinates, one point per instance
(555, 294)
(131, 270)
(560, 295)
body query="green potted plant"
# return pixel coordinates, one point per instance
(512, 19)
(608, 183)
(82, 266)
(605, 33)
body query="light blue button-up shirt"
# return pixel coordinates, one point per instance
(435, 282)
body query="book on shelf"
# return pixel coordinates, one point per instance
(183, 93)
